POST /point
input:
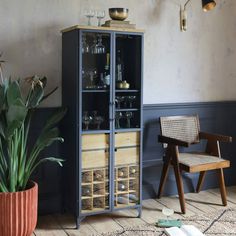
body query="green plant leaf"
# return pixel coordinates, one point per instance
(55, 118)
(36, 95)
(13, 93)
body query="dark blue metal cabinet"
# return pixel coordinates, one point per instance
(102, 72)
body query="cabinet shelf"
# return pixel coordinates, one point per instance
(95, 91)
(127, 130)
(127, 90)
(126, 109)
(95, 131)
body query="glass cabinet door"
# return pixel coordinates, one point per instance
(127, 115)
(96, 121)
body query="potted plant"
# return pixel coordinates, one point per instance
(18, 194)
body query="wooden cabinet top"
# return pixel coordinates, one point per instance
(103, 28)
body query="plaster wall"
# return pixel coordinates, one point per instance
(196, 66)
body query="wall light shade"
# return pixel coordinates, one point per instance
(208, 5)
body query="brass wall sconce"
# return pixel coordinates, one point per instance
(207, 5)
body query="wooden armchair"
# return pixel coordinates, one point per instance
(185, 131)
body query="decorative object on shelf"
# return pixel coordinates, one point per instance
(100, 15)
(128, 116)
(122, 85)
(18, 159)
(85, 45)
(131, 100)
(118, 116)
(119, 24)
(207, 5)
(89, 14)
(119, 14)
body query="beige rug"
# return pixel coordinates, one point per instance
(219, 223)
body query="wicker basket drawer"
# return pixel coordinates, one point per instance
(95, 159)
(125, 156)
(127, 139)
(94, 141)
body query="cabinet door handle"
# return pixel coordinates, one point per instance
(115, 149)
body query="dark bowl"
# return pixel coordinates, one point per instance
(118, 13)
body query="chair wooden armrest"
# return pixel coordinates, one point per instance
(173, 141)
(215, 137)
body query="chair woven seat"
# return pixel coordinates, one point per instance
(194, 162)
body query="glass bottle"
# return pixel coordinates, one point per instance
(119, 67)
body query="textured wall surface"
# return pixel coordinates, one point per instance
(198, 65)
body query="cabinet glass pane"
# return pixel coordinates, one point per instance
(128, 81)
(95, 81)
(95, 173)
(127, 161)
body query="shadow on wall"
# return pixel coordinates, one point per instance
(37, 51)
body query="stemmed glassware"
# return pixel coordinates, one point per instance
(128, 116)
(97, 120)
(167, 212)
(119, 100)
(98, 47)
(86, 119)
(118, 116)
(85, 45)
(89, 14)
(131, 100)
(100, 15)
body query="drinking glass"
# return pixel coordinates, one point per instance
(119, 115)
(131, 99)
(98, 120)
(98, 47)
(89, 14)
(86, 119)
(167, 212)
(128, 116)
(85, 46)
(100, 15)
(118, 101)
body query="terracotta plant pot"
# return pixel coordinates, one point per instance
(18, 212)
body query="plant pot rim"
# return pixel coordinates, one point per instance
(32, 185)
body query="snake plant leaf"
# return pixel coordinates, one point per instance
(2, 98)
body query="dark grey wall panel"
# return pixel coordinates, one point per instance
(216, 117)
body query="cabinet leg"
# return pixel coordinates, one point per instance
(78, 221)
(139, 212)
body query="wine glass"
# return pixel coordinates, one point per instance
(100, 47)
(100, 15)
(118, 101)
(131, 99)
(86, 119)
(85, 46)
(98, 120)
(128, 116)
(167, 212)
(118, 116)
(89, 14)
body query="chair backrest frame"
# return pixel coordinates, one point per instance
(185, 128)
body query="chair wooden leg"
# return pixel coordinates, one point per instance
(222, 186)
(164, 173)
(200, 181)
(180, 188)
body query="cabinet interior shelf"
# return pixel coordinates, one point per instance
(95, 131)
(95, 90)
(127, 130)
(127, 91)
(127, 109)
